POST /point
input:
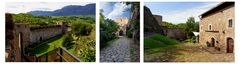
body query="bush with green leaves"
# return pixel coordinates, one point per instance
(81, 28)
(68, 42)
(108, 29)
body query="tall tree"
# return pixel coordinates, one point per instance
(191, 26)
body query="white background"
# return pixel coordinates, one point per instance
(2, 29)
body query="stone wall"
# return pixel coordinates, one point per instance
(122, 23)
(12, 52)
(159, 19)
(21, 35)
(219, 27)
(41, 34)
(175, 33)
(150, 23)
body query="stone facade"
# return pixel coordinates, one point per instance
(217, 27)
(135, 19)
(13, 50)
(44, 33)
(20, 35)
(122, 23)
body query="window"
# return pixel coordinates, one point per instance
(230, 23)
(209, 27)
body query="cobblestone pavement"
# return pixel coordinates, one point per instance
(118, 51)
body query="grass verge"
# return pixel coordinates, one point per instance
(47, 45)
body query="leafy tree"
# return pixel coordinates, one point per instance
(81, 28)
(168, 24)
(107, 29)
(191, 26)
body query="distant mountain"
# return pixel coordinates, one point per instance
(71, 10)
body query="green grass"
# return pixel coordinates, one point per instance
(158, 43)
(111, 41)
(164, 39)
(151, 43)
(72, 50)
(48, 45)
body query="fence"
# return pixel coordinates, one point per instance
(58, 55)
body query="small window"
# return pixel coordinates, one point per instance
(230, 23)
(209, 27)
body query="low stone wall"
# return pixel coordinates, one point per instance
(175, 33)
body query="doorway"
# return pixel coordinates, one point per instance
(230, 45)
(212, 42)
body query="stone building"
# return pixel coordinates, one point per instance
(122, 23)
(175, 33)
(21, 35)
(217, 27)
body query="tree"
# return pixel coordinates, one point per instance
(168, 24)
(81, 28)
(191, 26)
(107, 29)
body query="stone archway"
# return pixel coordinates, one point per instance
(230, 45)
(212, 42)
(121, 33)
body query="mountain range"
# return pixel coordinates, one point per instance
(71, 10)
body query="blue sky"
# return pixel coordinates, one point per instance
(113, 10)
(178, 12)
(23, 7)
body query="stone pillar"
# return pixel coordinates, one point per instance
(13, 52)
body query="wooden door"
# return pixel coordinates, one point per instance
(230, 45)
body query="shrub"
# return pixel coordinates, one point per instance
(68, 42)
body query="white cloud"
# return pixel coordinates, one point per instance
(118, 9)
(23, 7)
(182, 16)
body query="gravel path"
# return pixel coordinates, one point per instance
(118, 51)
(188, 53)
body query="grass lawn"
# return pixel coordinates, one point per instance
(158, 43)
(48, 45)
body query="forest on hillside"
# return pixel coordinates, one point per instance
(49, 20)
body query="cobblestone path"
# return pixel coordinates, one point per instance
(118, 51)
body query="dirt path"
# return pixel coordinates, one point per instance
(188, 52)
(118, 51)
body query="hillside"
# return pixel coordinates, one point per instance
(71, 10)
